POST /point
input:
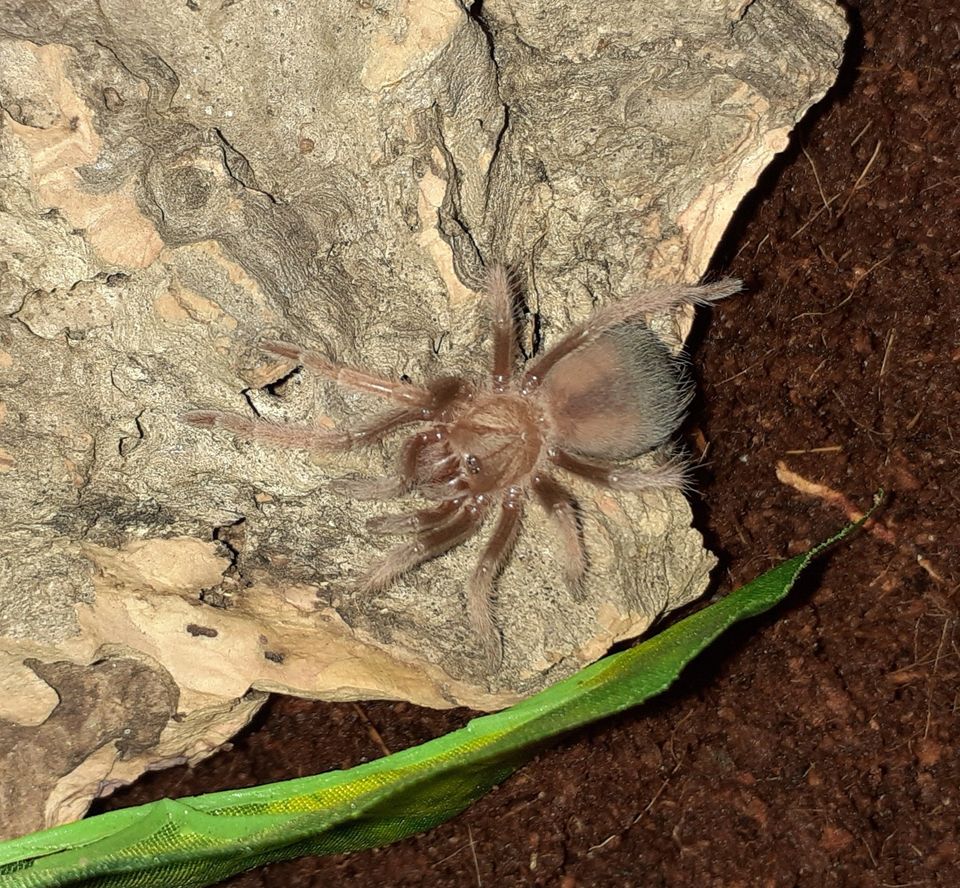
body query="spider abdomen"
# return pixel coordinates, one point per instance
(615, 397)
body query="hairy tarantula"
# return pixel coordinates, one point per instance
(608, 391)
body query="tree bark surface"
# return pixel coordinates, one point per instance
(178, 182)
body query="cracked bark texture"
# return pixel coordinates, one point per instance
(178, 183)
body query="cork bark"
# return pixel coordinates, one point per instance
(178, 183)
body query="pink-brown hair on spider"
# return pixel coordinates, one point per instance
(608, 391)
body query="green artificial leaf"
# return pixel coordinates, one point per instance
(202, 840)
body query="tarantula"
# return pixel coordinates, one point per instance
(608, 391)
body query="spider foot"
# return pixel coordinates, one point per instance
(201, 419)
(483, 627)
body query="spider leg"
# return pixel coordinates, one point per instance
(500, 291)
(304, 437)
(558, 502)
(407, 474)
(353, 377)
(414, 522)
(277, 434)
(480, 586)
(670, 474)
(383, 424)
(426, 545)
(633, 308)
